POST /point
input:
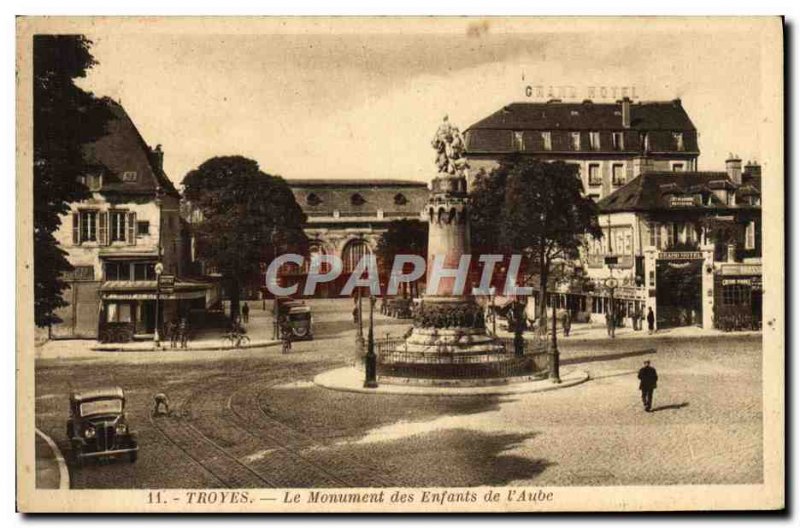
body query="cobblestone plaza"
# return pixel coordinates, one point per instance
(253, 418)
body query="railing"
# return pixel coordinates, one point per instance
(394, 360)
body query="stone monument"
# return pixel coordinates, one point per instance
(449, 344)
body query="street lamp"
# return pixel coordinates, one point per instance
(370, 361)
(359, 321)
(159, 271)
(555, 360)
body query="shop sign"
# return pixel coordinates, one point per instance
(166, 283)
(680, 255)
(682, 201)
(737, 282)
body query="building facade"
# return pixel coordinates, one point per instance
(686, 244)
(120, 238)
(611, 143)
(346, 218)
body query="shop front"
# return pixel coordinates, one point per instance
(132, 309)
(738, 292)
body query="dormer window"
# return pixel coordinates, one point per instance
(93, 181)
(357, 199)
(400, 199)
(519, 141)
(617, 142)
(129, 176)
(575, 140)
(547, 141)
(313, 200)
(677, 140)
(594, 140)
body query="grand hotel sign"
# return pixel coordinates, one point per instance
(569, 91)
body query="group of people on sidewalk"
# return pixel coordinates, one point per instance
(178, 333)
(614, 319)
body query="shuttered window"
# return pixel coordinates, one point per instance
(118, 233)
(131, 229)
(102, 228)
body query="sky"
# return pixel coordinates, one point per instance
(364, 99)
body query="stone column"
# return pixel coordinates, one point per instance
(707, 285)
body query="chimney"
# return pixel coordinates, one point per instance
(733, 165)
(626, 112)
(753, 170)
(157, 157)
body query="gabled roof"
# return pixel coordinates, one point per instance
(653, 190)
(351, 182)
(360, 197)
(122, 149)
(663, 115)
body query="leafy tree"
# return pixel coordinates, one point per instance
(248, 217)
(402, 237)
(65, 118)
(536, 209)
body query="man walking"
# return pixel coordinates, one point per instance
(651, 320)
(648, 379)
(245, 313)
(566, 323)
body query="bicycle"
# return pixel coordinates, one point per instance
(235, 339)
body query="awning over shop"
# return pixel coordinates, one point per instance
(146, 290)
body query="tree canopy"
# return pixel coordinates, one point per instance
(534, 208)
(65, 118)
(402, 237)
(248, 218)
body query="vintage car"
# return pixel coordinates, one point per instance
(296, 315)
(97, 425)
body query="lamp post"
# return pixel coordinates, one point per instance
(370, 361)
(493, 313)
(159, 271)
(519, 340)
(359, 321)
(555, 360)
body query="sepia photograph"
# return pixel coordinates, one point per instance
(396, 264)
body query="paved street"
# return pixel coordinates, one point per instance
(252, 418)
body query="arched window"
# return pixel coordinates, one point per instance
(352, 253)
(315, 249)
(357, 199)
(313, 200)
(400, 199)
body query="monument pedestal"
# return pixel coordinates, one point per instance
(448, 345)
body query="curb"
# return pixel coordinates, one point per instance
(332, 380)
(63, 472)
(117, 348)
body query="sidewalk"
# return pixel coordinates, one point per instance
(597, 332)
(51, 469)
(259, 330)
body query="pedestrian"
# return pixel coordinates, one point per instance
(286, 336)
(651, 320)
(609, 322)
(172, 331)
(160, 400)
(637, 318)
(246, 313)
(648, 380)
(566, 323)
(183, 330)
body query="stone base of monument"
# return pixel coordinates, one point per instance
(350, 379)
(459, 356)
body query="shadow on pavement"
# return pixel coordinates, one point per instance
(607, 357)
(670, 406)
(328, 415)
(450, 457)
